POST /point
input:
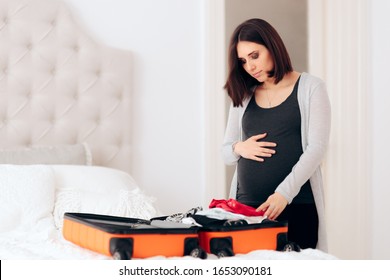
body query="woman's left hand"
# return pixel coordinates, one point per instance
(274, 205)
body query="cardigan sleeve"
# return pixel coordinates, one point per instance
(232, 135)
(316, 122)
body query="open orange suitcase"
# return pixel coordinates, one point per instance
(127, 238)
(226, 241)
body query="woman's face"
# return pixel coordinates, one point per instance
(255, 59)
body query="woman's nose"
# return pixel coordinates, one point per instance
(251, 65)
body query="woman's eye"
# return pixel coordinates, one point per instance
(242, 61)
(255, 56)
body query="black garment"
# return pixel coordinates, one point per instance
(302, 224)
(258, 180)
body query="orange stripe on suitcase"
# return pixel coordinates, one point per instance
(144, 245)
(245, 241)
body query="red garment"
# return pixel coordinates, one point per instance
(232, 205)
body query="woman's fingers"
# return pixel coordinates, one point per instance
(256, 158)
(273, 213)
(266, 152)
(263, 207)
(273, 206)
(262, 143)
(254, 149)
(262, 152)
(258, 136)
(266, 144)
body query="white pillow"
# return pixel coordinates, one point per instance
(99, 190)
(26, 195)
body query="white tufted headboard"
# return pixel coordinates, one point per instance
(58, 86)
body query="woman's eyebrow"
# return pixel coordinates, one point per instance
(252, 52)
(249, 54)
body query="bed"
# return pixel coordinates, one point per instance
(65, 134)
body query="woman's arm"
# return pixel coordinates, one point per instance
(318, 131)
(252, 148)
(232, 136)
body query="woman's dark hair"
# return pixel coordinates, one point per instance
(239, 83)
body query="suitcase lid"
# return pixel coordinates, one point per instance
(125, 225)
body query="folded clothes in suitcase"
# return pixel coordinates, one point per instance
(126, 238)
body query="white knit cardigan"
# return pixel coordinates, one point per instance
(315, 129)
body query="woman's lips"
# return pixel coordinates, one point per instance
(257, 74)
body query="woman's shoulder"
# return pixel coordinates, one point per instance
(310, 85)
(241, 107)
(310, 80)
(246, 101)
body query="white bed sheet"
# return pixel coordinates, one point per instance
(34, 198)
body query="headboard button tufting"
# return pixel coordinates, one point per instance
(51, 85)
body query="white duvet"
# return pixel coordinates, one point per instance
(33, 199)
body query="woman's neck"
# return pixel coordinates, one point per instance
(288, 79)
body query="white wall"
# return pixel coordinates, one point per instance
(380, 133)
(349, 49)
(165, 38)
(341, 60)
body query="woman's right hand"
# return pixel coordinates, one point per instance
(254, 149)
